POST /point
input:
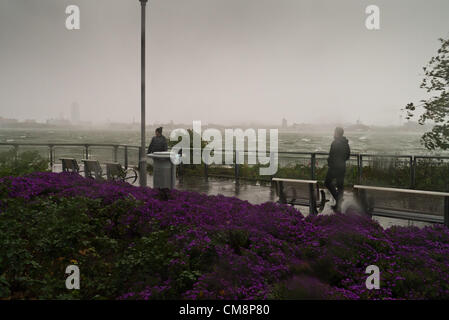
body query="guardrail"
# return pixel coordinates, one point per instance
(85, 147)
(409, 163)
(316, 161)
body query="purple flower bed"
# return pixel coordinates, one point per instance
(216, 247)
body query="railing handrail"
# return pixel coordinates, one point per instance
(58, 144)
(360, 157)
(322, 153)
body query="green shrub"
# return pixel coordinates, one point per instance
(22, 163)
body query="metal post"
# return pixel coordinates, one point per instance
(86, 149)
(206, 174)
(360, 168)
(126, 157)
(412, 172)
(16, 152)
(446, 211)
(236, 167)
(115, 153)
(312, 165)
(51, 156)
(142, 154)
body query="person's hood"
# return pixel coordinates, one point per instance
(341, 139)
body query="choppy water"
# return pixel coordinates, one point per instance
(376, 142)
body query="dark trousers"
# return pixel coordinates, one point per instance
(337, 174)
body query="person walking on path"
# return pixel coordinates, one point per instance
(338, 155)
(158, 142)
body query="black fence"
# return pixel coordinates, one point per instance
(405, 171)
(127, 155)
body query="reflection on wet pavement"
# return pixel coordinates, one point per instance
(260, 192)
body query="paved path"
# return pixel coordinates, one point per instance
(260, 192)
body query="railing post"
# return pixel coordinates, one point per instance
(360, 168)
(16, 152)
(206, 174)
(86, 150)
(446, 211)
(115, 153)
(51, 156)
(236, 167)
(180, 170)
(312, 166)
(412, 172)
(142, 168)
(86, 171)
(126, 157)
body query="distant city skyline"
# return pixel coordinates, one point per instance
(64, 122)
(218, 61)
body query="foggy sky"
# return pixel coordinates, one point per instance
(220, 61)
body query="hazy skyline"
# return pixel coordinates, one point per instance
(220, 61)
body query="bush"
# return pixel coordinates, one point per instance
(130, 243)
(24, 163)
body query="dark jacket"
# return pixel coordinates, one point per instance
(339, 153)
(158, 144)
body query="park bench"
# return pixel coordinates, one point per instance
(301, 193)
(70, 165)
(408, 204)
(115, 172)
(92, 169)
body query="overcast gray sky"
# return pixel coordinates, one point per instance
(222, 61)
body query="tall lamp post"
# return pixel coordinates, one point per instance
(142, 156)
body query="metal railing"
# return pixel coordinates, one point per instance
(85, 149)
(407, 170)
(362, 168)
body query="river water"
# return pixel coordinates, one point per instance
(373, 141)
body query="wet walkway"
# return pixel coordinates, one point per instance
(260, 192)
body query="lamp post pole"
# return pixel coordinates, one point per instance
(142, 156)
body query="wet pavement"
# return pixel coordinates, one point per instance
(260, 192)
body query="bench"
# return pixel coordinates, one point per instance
(300, 192)
(408, 204)
(70, 165)
(115, 172)
(92, 169)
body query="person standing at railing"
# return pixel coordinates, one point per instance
(158, 142)
(338, 155)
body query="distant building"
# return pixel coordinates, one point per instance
(75, 113)
(4, 121)
(359, 126)
(284, 123)
(58, 122)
